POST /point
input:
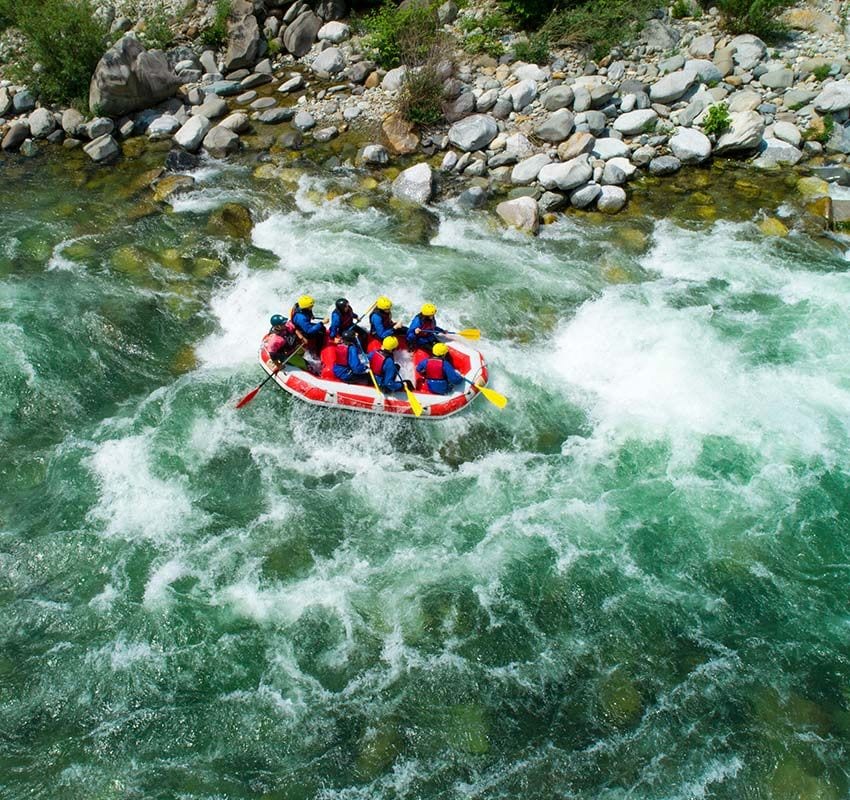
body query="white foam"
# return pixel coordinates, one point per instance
(157, 588)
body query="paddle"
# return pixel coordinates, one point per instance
(253, 393)
(414, 403)
(467, 333)
(498, 400)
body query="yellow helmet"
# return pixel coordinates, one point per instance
(305, 301)
(389, 343)
(440, 349)
(428, 310)
(384, 303)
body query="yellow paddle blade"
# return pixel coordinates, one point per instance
(498, 400)
(374, 382)
(414, 403)
(470, 333)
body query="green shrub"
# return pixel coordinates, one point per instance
(215, 34)
(528, 13)
(760, 17)
(420, 99)
(534, 50)
(274, 47)
(821, 72)
(401, 36)
(717, 120)
(65, 40)
(496, 23)
(680, 9)
(821, 135)
(483, 43)
(158, 34)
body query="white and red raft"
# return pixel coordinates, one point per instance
(325, 389)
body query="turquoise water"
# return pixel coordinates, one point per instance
(632, 583)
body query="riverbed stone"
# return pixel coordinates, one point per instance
(400, 134)
(237, 122)
(557, 97)
(374, 154)
(567, 175)
(473, 133)
(329, 62)
(192, 133)
(702, 46)
(415, 184)
(255, 79)
(162, 127)
(243, 36)
(102, 149)
(521, 213)
(299, 36)
(23, 101)
(220, 142)
(304, 121)
(613, 174)
(527, 170)
(293, 84)
(671, 87)
(212, 108)
(658, 36)
(788, 132)
(580, 142)
(232, 219)
(664, 165)
(462, 106)
(557, 127)
(744, 101)
(611, 199)
(521, 94)
(704, 70)
(274, 116)
(744, 134)
(634, 122)
(334, 32)
(16, 135)
(42, 123)
(690, 145)
(835, 97)
(778, 79)
(774, 153)
(73, 122)
(585, 196)
(608, 147)
(393, 80)
(747, 50)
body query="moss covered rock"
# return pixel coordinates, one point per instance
(232, 219)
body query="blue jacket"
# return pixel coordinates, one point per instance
(338, 324)
(303, 320)
(387, 378)
(451, 377)
(378, 322)
(427, 337)
(355, 365)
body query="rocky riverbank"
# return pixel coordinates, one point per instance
(530, 140)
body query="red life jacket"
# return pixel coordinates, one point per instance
(377, 360)
(434, 370)
(386, 319)
(427, 324)
(341, 355)
(272, 342)
(346, 320)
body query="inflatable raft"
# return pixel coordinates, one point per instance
(324, 389)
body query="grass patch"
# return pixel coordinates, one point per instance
(401, 36)
(528, 13)
(818, 134)
(680, 9)
(158, 34)
(483, 43)
(821, 72)
(420, 99)
(534, 50)
(760, 17)
(215, 34)
(63, 41)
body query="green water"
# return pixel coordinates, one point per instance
(632, 583)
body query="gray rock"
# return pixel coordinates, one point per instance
(23, 101)
(449, 161)
(521, 94)
(659, 36)
(243, 36)
(29, 149)
(325, 134)
(611, 199)
(356, 73)
(747, 50)
(616, 71)
(330, 61)
(527, 170)
(585, 196)
(839, 141)
(192, 133)
(262, 103)
(557, 97)
(628, 103)
(304, 121)
(291, 140)
(375, 154)
(671, 87)
(550, 202)
(128, 78)
(702, 46)
(207, 59)
(601, 94)
(834, 97)
(462, 106)
(477, 167)
(212, 108)
(264, 67)
(581, 99)
(613, 174)
(745, 100)
(16, 135)
(778, 79)
(664, 165)
(294, 83)
(688, 114)
(447, 12)
(690, 146)
(610, 148)
(245, 98)
(298, 37)
(473, 197)
(744, 134)
(473, 133)
(502, 108)
(98, 127)
(579, 143)
(596, 122)
(518, 144)
(393, 79)
(331, 9)
(220, 142)
(73, 122)
(334, 32)
(487, 100)
(774, 153)
(567, 175)
(224, 88)
(274, 116)
(557, 127)
(5, 101)
(788, 132)
(162, 127)
(255, 79)
(797, 98)
(634, 122)
(521, 213)
(237, 122)
(415, 184)
(671, 64)
(102, 149)
(629, 169)
(704, 70)
(643, 155)
(42, 123)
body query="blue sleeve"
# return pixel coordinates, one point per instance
(377, 323)
(390, 376)
(415, 323)
(309, 328)
(354, 362)
(421, 366)
(452, 374)
(335, 320)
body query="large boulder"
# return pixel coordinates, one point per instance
(329, 62)
(557, 97)
(747, 50)
(298, 37)
(42, 123)
(192, 133)
(521, 213)
(657, 35)
(834, 97)
(528, 169)
(415, 184)
(690, 146)
(232, 219)
(634, 122)
(611, 199)
(334, 32)
(129, 78)
(567, 175)
(400, 134)
(744, 133)
(473, 133)
(220, 141)
(671, 87)
(243, 36)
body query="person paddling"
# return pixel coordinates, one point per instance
(438, 371)
(381, 322)
(343, 319)
(385, 369)
(423, 329)
(311, 330)
(349, 366)
(282, 339)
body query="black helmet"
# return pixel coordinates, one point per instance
(341, 304)
(349, 335)
(278, 319)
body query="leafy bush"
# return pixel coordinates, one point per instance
(528, 13)
(760, 17)
(534, 50)
(821, 72)
(63, 41)
(717, 120)
(420, 99)
(158, 34)
(680, 9)
(401, 36)
(215, 34)
(478, 43)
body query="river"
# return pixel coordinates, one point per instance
(630, 583)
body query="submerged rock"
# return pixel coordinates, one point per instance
(521, 213)
(232, 219)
